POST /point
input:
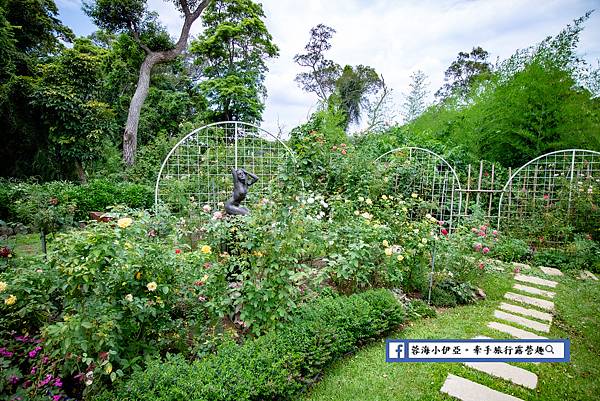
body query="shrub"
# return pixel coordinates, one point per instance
(108, 296)
(276, 365)
(512, 250)
(53, 205)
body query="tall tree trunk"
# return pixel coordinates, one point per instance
(141, 91)
(80, 172)
(135, 109)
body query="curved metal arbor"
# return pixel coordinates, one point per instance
(198, 168)
(554, 182)
(429, 175)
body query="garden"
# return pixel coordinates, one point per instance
(132, 273)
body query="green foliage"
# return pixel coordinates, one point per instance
(276, 365)
(67, 93)
(464, 72)
(512, 250)
(582, 253)
(231, 54)
(534, 102)
(353, 87)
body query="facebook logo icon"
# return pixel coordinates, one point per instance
(395, 350)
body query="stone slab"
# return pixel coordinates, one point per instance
(531, 324)
(466, 390)
(535, 280)
(588, 275)
(526, 312)
(505, 371)
(521, 266)
(551, 271)
(513, 331)
(540, 303)
(533, 290)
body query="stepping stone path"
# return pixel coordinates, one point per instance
(467, 390)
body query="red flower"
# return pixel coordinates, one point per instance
(444, 231)
(177, 251)
(481, 265)
(344, 151)
(546, 196)
(485, 250)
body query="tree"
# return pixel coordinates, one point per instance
(68, 94)
(323, 73)
(463, 72)
(415, 102)
(345, 88)
(231, 54)
(29, 32)
(131, 16)
(353, 88)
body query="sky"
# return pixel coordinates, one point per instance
(395, 37)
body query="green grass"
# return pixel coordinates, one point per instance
(25, 245)
(366, 375)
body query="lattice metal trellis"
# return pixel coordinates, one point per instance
(198, 168)
(565, 182)
(427, 174)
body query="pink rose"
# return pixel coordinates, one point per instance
(485, 250)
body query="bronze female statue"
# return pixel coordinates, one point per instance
(240, 189)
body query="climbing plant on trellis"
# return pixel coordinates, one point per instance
(198, 168)
(546, 192)
(411, 170)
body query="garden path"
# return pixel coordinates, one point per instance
(521, 315)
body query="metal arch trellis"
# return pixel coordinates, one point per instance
(429, 175)
(198, 168)
(555, 181)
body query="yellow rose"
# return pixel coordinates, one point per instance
(384, 197)
(400, 258)
(385, 243)
(10, 300)
(389, 251)
(3, 286)
(124, 222)
(206, 250)
(151, 286)
(138, 275)
(205, 277)
(369, 201)
(414, 195)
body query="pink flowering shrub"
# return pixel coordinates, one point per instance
(28, 371)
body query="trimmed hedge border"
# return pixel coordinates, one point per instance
(275, 366)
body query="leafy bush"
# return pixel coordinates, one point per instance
(512, 250)
(276, 365)
(57, 204)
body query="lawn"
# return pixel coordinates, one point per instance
(366, 375)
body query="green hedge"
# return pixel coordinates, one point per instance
(275, 366)
(20, 201)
